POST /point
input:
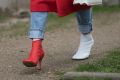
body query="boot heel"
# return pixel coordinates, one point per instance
(39, 63)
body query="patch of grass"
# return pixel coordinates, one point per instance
(85, 78)
(4, 14)
(101, 9)
(19, 29)
(15, 30)
(55, 21)
(110, 63)
(3, 18)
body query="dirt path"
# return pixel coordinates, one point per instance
(60, 45)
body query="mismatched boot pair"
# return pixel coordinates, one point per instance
(36, 55)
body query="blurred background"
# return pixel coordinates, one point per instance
(15, 7)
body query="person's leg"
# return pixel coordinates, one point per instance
(84, 18)
(36, 33)
(38, 22)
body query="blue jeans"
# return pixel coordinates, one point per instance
(39, 20)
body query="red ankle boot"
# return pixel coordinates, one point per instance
(36, 54)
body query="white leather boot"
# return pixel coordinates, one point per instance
(85, 46)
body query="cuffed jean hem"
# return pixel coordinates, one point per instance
(36, 34)
(85, 28)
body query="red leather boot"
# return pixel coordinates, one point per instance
(36, 54)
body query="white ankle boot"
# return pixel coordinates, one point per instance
(85, 46)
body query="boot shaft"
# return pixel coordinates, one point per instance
(37, 49)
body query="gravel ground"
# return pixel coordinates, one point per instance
(60, 45)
